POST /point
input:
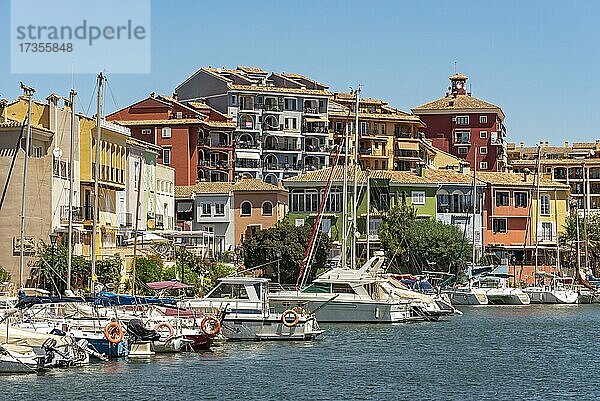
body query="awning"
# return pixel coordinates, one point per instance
(315, 119)
(246, 155)
(147, 238)
(185, 207)
(408, 145)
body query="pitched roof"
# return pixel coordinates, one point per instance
(514, 179)
(243, 185)
(263, 88)
(459, 76)
(458, 102)
(176, 121)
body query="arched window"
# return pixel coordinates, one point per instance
(267, 209)
(246, 207)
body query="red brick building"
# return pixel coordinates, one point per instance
(461, 124)
(196, 140)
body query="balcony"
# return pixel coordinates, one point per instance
(218, 164)
(247, 164)
(247, 145)
(282, 147)
(316, 148)
(271, 107)
(407, 154)
(76, 214)
(208, 142)
(126, 220)
(315, 128)
(374, 152)
(283, 166)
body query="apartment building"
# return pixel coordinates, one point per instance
(466, 127)
(574, 164)
(280, 118)
(194, 138)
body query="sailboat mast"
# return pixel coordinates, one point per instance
(537, 209)
(355, 185)
(578, 242)
(27, 91)
(136, 233)
(368, 222)
(72, 95)
(474, 200)
(96, 212)
(345, 200)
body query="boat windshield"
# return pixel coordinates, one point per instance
(318, 288)
(229, 291)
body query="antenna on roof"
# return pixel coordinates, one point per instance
(455, 66)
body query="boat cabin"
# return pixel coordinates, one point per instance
(239, 295)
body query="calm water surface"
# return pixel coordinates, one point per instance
(490, 353)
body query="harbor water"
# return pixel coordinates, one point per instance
(490, 353)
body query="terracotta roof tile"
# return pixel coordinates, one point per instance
(458, 102)
(262, 88)
(247, 184)
(514, 179)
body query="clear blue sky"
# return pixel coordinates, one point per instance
(538, 60)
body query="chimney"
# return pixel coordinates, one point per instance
(52, 100)
(175, 96)
(522, 144)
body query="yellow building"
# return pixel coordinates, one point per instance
(112, 178)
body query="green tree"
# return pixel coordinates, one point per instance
(4, 275)
(412, 244)
(213, 273)
(589, 235)
(287, 243)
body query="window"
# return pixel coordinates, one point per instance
(233, 100)
(499, 225)
(463, 150)
(166, 157)
(146, 131)
(482, 119)
(418, 197)
(290, 123)
(326, 226)
(267, 209)
(545, 205)
(205, 209)
(297, 201)
(502, 198)
(312, 201)
(483, 150)
(36, 151)
(179, 115)
(462, 120)
(521, 199)
(246, 208)
(462, 136)
(483, 165)
(364, 127)
(166, 132)
(290, 104)
(546, 231)
(382, 129)
(219, 209)
(483, 134)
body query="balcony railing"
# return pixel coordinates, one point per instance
(316, 148)
(271, 107)
(247, 163)
(272, 146)
(247, 145)
(406, 153)
(282, 166)
(271, 127)
(311, 110)
(316, 129)
(214, 144)
(214, 163)
(374, 152)
(76, 214)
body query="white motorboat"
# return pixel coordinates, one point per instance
(507, 296)
(242, 303)
(363, 295)
(15, 359)
(467, 295)
(557, 292)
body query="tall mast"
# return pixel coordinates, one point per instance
(136, 233)
(368, 223)
(585, 208)
(355, 185)
(345, 200)
(474, 201)
(96, 212)
(72, 95)
(27, 91)
(537, 209)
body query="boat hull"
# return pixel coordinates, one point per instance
(269, 329)
(550, 296)
(507, 296)
(467, 297)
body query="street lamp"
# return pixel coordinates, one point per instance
(53, 237)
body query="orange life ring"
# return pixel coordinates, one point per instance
(113, 332)
(210, 325)
(168, 326)
(286, 322)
